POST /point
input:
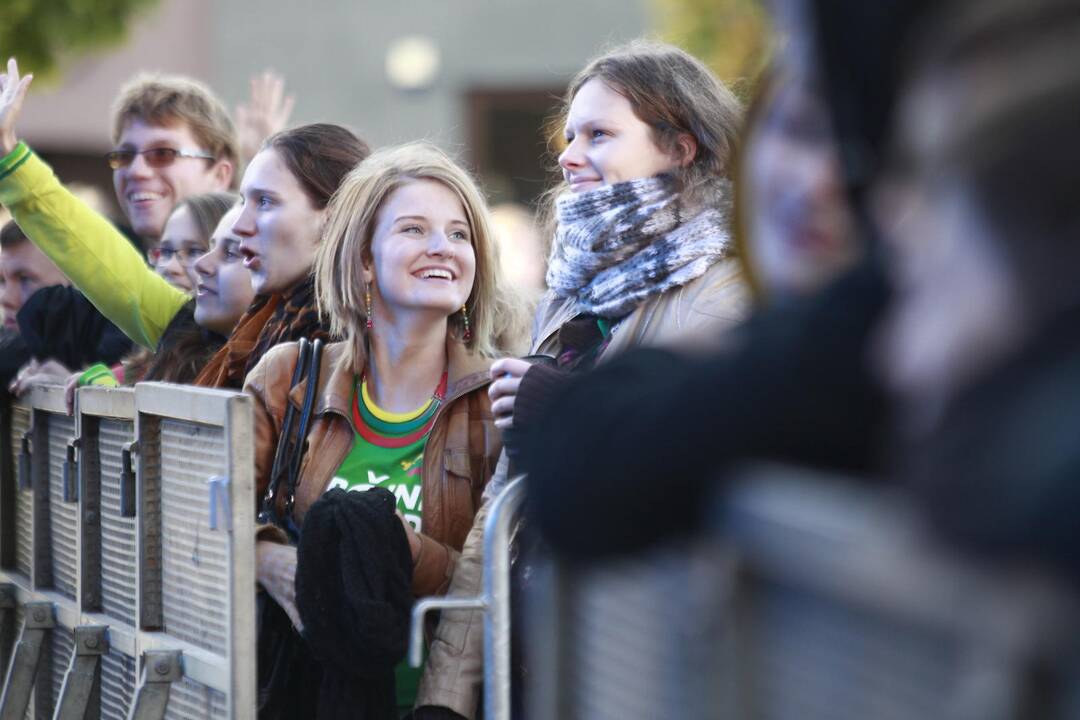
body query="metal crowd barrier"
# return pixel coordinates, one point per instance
(494, 602)
(127, 555)
(812, 599)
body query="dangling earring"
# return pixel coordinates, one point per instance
(367, 307)
(465, 318)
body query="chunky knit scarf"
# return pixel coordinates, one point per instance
(620, 244)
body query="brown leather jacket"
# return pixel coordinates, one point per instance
(694, 314)
(463, 436)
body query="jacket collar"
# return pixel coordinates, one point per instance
(466, 371)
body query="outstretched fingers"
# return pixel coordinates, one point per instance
(12, 93)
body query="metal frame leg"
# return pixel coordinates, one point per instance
(38, 619)
(80, 695)
(7, 624)
(494, 602)
(161, 668)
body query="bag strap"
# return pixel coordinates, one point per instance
(305, 419)
(268, 512)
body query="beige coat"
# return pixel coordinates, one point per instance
(702, 309)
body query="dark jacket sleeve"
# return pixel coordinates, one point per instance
(644, 436)
(59, 323)
(13, 355)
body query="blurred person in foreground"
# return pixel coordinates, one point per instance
(793, 383)
(981, 343)
(642, 255)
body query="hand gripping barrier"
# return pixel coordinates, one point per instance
(494, 602)
(127, 555)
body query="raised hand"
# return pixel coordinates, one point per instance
(12, 92)
(266, 113)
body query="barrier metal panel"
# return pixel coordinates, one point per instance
(108, 534)
(841, 580)
(119, 678)
(137, 515)
(7, 489)
(107, 480)
(21, 444)
(642, 637)
(46, 510)
(59, 460)
(836, 604)
(196, 499)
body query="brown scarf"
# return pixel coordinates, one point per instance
(269, 321)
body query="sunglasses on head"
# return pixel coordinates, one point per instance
(155, 157)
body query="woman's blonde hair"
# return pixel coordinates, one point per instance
(347, 237)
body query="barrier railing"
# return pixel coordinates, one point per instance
(812, 599)
(127, 555)
(494, 602)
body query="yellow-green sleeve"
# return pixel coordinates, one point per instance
(97, 258)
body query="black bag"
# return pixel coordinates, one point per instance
(288, 675)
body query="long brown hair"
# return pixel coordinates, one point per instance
(319, 155)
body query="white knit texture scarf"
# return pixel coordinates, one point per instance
(620, 244)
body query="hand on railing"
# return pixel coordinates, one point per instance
(275, 570)
(12, 93)
(34, 373)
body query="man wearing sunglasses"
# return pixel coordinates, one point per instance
(173, 139)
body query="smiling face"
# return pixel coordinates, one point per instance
(224, 289)
(180, 245)
(148, 195)
(803, 233)
(606, 142)
(422, 258)
(278, 225)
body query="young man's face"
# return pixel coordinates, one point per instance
(24, 270)
(148, 194)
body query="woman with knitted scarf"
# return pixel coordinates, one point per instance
(642, 255)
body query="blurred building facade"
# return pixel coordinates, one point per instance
(478, 77)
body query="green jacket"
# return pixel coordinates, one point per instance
(97, 258)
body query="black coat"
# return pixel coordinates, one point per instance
(644, 436)
(13, 355)
(999, 473)
(354, 594)
(59, 323)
